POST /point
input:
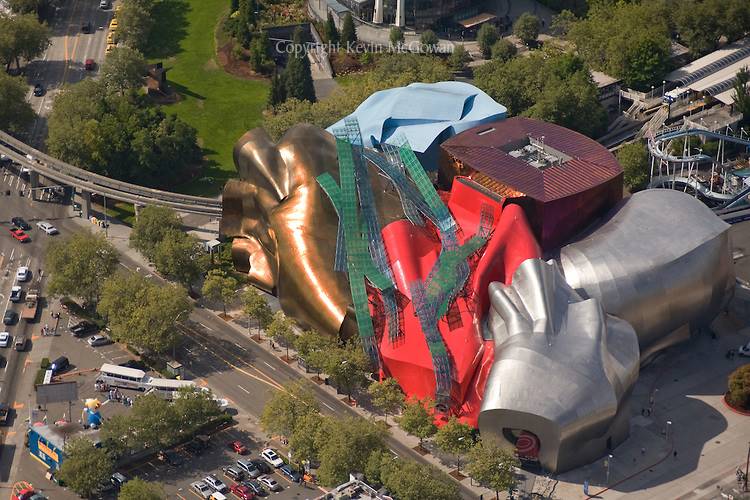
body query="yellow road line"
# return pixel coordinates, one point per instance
(67, 34)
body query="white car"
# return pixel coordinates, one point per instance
(744, 350)
(273, 458)
(22, 274)
(98, 340)
(215, 483)
(16, 293)
(4, 339)
(270, 483)
(202, 489)
(47, 227)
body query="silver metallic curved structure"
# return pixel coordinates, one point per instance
(662, 263)
(563, 369)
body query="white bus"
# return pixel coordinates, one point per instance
(132, 378)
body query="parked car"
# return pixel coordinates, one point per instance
(110, 48)
(59, 365)
(170, 457)
(16, 294)
(270, 483)
(20, 343)
(39, 90)
(255, 487)
(238, 447)
(262, 466)
(10, 317)
(118, 479)
(19, 222)
(105, 4)
(289, 472)
(19, 235)
(4, 413)
(202, 489)
(4, 339)
(113, 24)
(98, 340)
(242, 492)
(89, 65)
(215, 483)
(233, 472)
(83, 328)
(249, 467)
(744, 350)
(23, 274)
(273, 458)
(47, 227)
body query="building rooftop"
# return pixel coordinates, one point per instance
(603, 79)
(58, 435)
(537, 159)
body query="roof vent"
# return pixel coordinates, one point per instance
(486, 131)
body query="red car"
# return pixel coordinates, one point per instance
(238, 447)
(19, 235)
(242, 492)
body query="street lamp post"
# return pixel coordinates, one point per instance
(663, 83)
(607, 466)
(667, 430)
(747, 464)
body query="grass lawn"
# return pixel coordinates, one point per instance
(220, 106)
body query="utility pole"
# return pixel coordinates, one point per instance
(747, 464)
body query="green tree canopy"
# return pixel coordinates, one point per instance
(417, 420)
(348, 32)
(459, 58)
(386, 396)
(219, 287)
(331, 31)
(633, 159)
(347, 366)
(456, 438)
(143, 313)
(135, 22)
(85, 467)
(298, 76)
(526, 28)
(492, 466)
(150, 227)
(739, 388)
(287, 407)
(181, 257)
(407, 479)
(281, 329)
(504, 50)
(195, 407)
(741, 94)
(486, 37)
(157, 423)
(429, 41)
(562, 22)
(121, 136)
(313, 347)
(118, 434)
(15, 112)
(22, 36)
(78, 265)
(396, 36)
(256, 307)
(277, 94)
(123, 69)
(138, 489)
(347, 448)
(308, 434)
(259, 59)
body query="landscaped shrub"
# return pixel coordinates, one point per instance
(739, 388)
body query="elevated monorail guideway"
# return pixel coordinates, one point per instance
(89, 183)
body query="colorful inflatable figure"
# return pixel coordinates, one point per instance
(91, 416)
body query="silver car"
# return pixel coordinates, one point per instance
(249, 467)
(202, 489)
(215, 483)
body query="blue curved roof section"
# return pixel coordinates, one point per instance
(425, 113)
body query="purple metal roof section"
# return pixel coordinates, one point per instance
(481, 148)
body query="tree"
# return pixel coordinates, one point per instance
(151, 226)
(458, 59)
(304, 443)
(297, 75)
(136, 20)
(408, 479)
(123, 69)
(281, 329)
(286, 408)
(79, 264)
(698, 25)
(417, 420)
(526, 28)
(562, 22)
(259, 53)
(331, 31)
(456, 438)
(314, 348)
(396, 36)
(85, 467)
(347, 365)
(156, 422)
(348, 32)
(22, 36)
(117, 435)
(386, 396)
(429, 41)
(492, 466)
(180, 256)
(741, 95)
(138, 489)
(15, 113)
(504, 50)
(739, 388)
(347, 446)
(256, 307)
(196, 407)
(736, 19)
(218, 287)
(486, 37)
(143, 313)
(277, 94)
(633, 159)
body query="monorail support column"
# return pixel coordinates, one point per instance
(137, 209)
(33, 184)
(84, 198)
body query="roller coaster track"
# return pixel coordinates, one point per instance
(656, 142)
(69, 175)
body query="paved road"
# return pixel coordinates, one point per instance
(63, 61)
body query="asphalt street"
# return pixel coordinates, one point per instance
(63, 61)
